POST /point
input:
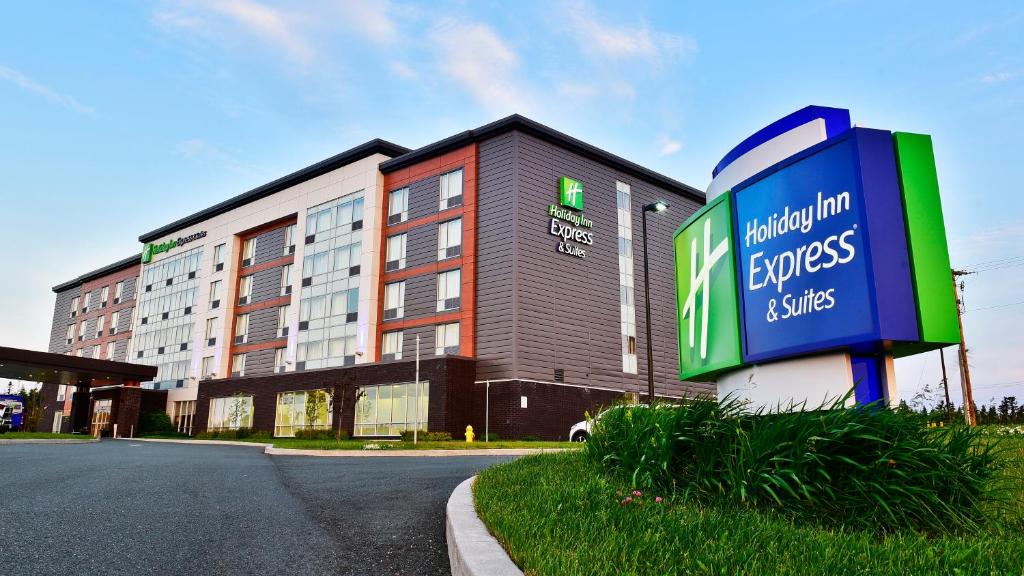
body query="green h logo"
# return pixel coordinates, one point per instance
(147, 253)
(706, 292)
(571, 193)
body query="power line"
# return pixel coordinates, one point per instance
(1008, 305)
(995, 261)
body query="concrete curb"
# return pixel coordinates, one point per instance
(48, 441)
(472, 551)
(270, 450)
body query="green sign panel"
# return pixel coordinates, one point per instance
(709, 333)
(571, 193)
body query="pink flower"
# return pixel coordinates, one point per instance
(657, 499)
(627, 500)
(637, 493)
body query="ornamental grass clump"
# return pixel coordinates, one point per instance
(865, 467)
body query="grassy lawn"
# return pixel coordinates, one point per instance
(41, 436)
(560, 514)
(304, 444)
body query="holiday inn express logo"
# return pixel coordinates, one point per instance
(709, 339)
(571, 193)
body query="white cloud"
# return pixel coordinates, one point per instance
(668, 146)
(372, 18)
(199, 150)
(1000, 77)
(25, 83)
(618, 41)
(403, 70)
(482, 63)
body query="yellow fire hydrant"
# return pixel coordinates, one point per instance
(469, 434)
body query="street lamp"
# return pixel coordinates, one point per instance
(656, 207)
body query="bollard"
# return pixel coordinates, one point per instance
(469, 434)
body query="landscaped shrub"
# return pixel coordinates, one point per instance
(426, 436)
(239, 434)
(155, 423)
(315, 434)
(867, 467)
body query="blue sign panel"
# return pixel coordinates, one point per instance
(821, 252)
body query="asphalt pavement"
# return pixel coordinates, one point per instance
(122, 507)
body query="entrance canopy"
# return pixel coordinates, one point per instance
(50, 368)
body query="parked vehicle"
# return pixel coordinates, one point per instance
(11, 408)
(580, 431)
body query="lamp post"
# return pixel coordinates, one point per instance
(656, 207)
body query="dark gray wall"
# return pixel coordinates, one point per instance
(565, 310)
(266, 285)
(59, 327)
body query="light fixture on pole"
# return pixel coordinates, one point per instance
(416, 426)
(656, 207)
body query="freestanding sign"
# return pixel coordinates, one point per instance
(833, 248)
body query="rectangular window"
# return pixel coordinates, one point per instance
(110, 350)
(241, 328)
(394, 300)
(391, 345)
(100, 321)
(118, 292)
(104, 295)
(282, 320)
(230, 413)
(115, 321)
(286, 279)
(238, 364)
(627, 301)
(61, 391)
(211, 331)
(449, 290)
(218, 257)
(398, 206)
(95, 352)
(390, 409)
(244, 289)
(71, 333)
(449, 239)
(206, 370)
(215, 294)
(248, 252)
(289, 239)
(451, 189)
(305, 410)
(85, 302)
(74, 308)
(280, 356)
(396, 253)
(81, 331)
(446, 339)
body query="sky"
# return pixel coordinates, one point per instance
(118, 117)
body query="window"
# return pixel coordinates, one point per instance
(85, 303)
(346, 303)
(286, 279)
(396, 253)
(99, 326)
(71, 333)
(81, 331)
(446, 339)
(627, 302)
(248, 251)
(211, 331)
(244, 289)
(241, 328)
(118, 292)
(206, 369)
(394, 300)
(184, 413)
(305, 410)
(110, 350)
(61, 391)
(238, 364)
(282, 320)
(289, 239)
(230, 413)
(391, 345)
(280, 358)
(449, 239)
(218, 257)
(95, 352)
(115, 321)
(104, 294)
(215, 294)
(390, 409)
(74, 308)
(398, 206)
(451, 189)
(347, 258)
(449, 290)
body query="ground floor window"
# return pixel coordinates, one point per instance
(101, 416)
(184, 414)
(230, 413)
(304, 410)
(389, 409)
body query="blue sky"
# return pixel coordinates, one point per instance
(118, 117)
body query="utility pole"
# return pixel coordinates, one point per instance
(945, 386)
(965, 370)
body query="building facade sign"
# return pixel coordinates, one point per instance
(567, 222)
(152, 249)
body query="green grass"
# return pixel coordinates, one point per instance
(561, 514)
(304, 444)
(41, 436)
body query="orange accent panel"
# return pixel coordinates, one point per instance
(440, 318)
(272, 303)
(432, 268)
(269, 345)
(289, 259)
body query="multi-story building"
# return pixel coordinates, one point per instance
(507, 258)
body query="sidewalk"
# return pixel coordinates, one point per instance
(270, 450)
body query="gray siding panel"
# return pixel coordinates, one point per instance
(269, 246)
(266, 285)
(263, 325)
(421, 246)
(61, 321)
(426, 334)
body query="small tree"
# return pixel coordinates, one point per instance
(316, 401)
(32, 408)
(238, 410)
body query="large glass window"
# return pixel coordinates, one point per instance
(230, 413)
(449, 290)
(241, 328)
(449, 239)
(244, 289)
(627, 302)
(451, 189)
(446, 339)
(394, 300)
(398, 206)
(396, 253)
(248, 252)
(391, 345)
(390, 409)
(304, 410)
(238, 364)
